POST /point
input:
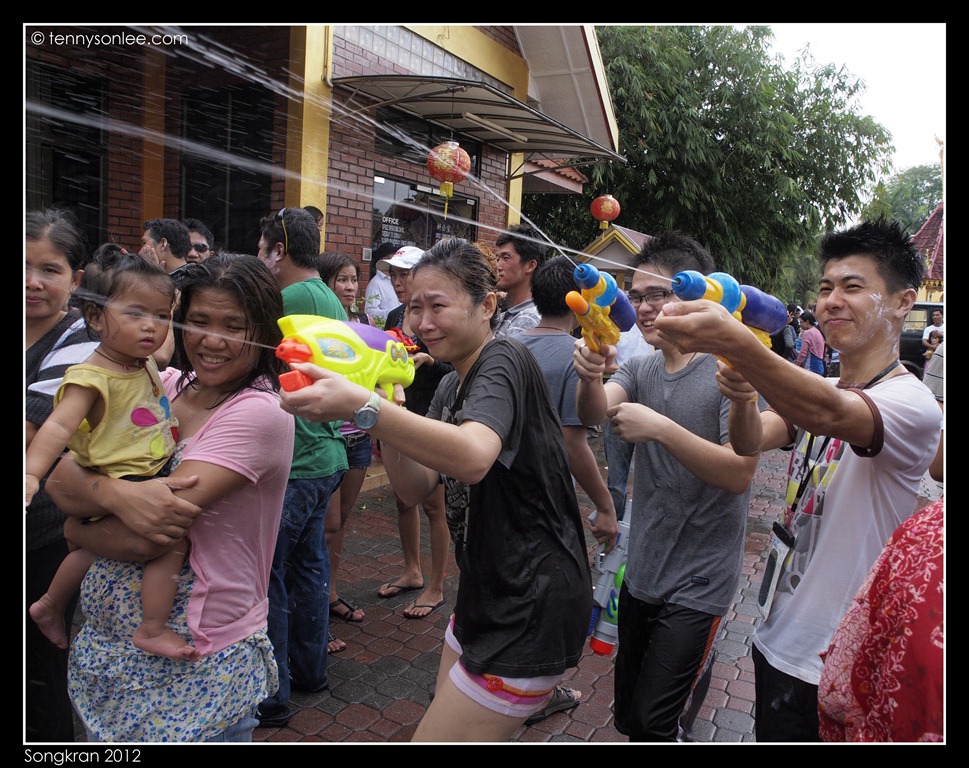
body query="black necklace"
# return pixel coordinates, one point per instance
(878, 377)
(137, 364)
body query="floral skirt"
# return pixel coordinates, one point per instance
(125, 694)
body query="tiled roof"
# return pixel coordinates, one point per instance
(930, 241)
(558, 167)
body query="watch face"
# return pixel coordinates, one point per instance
(365, 418)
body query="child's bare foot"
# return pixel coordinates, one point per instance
(49, 617)
(164, 642)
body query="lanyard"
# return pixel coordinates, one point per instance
(809, 471)
(878, 377)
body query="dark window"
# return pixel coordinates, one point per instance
(406, 213)
(411, 139)
(66, 147)
(225, 180)
(412, 213)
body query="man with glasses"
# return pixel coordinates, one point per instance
(689, 505)
(299, 583)
(200, 236)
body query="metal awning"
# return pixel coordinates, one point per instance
(478, 110)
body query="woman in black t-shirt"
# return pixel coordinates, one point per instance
(494, 437)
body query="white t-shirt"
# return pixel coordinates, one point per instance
(842, 527)
(381, 296)
(631, 344)
(927, 331)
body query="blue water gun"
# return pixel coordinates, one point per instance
(364, 354)
(601, 308)
(760, 312)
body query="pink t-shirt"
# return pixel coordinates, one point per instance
(233, 541)
(812, 340)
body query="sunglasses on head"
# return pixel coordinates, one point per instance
(280, 218)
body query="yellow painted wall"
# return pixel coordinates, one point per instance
(316, 116)
(488, 55)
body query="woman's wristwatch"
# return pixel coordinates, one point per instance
(365, 417)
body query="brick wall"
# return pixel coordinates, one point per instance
(354, 162)
(250, 54)
(503, 35)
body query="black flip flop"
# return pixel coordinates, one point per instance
(348, 616)
(331, 639)
(399, 589)
(433, 607)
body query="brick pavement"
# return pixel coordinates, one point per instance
(379, 684)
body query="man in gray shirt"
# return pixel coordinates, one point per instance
(689, 504)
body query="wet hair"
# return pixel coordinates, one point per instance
(197, 225)
(60, 228)
(526, 240)
(676, 252)
(254, 287)
(550, 284)
(174, 232)
(113, 272)
(472, 265)
(896, 258)
(300, 235)
(331, 262)
(104, 254)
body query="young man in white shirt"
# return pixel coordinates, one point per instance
(860, 449)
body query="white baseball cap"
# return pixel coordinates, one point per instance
(405, 258)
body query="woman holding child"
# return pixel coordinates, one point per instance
(225, 494)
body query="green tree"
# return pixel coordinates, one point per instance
(909, 197)
(751, 158)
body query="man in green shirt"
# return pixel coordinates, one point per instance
(299, 584)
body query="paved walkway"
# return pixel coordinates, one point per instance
(379, 684)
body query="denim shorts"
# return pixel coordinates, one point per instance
(359, 450)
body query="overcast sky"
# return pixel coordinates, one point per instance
(904, 68)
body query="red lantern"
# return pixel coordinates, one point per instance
(448, 163)
(604, 209)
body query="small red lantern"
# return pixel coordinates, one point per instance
(604, 209)
(448, 163)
